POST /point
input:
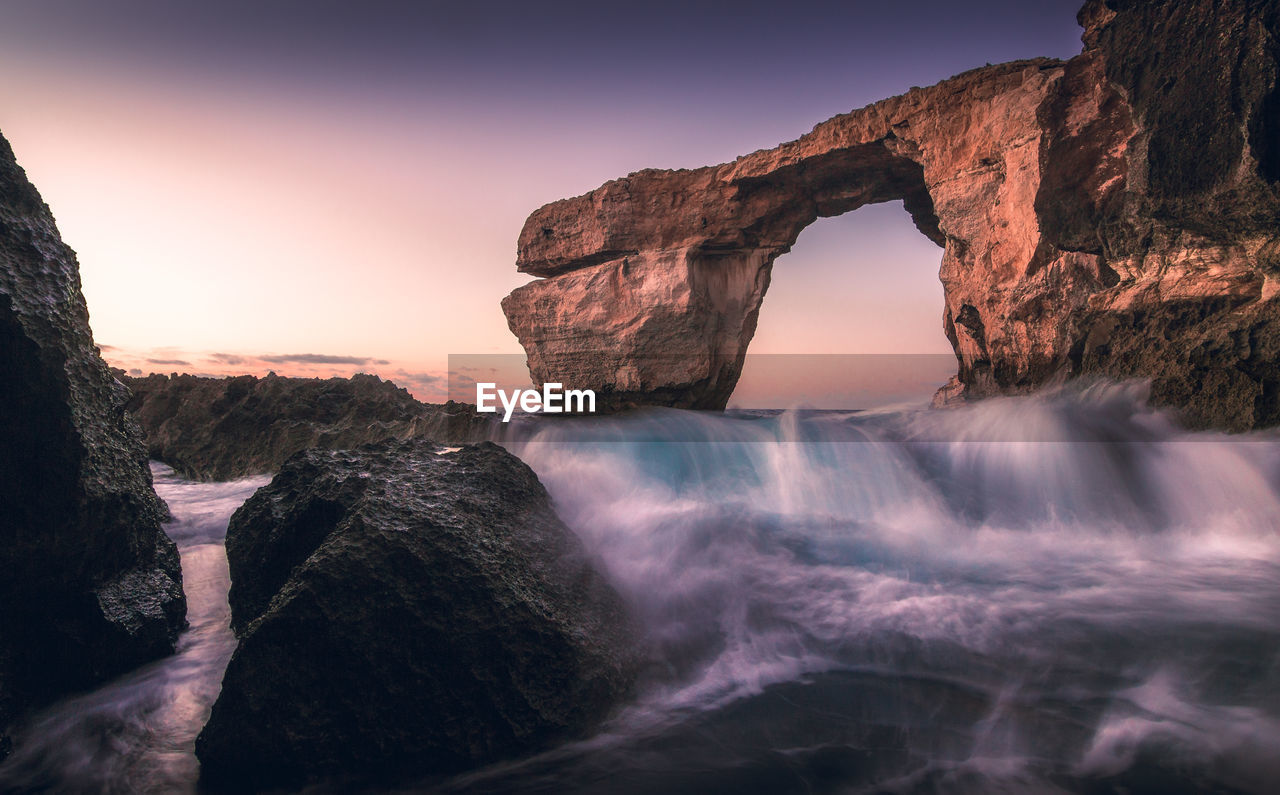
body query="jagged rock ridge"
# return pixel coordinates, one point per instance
(91, 585)
(1116, 215)
(225, 428)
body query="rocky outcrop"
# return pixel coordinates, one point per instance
(406, 609)
(225, 428)
(91, 585)
(1116, 215)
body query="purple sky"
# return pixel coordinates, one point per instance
(279, 185)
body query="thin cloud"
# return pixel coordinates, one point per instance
(423, 384)
(318, 358)
(420, 378)
(294, 358)
(229, 358)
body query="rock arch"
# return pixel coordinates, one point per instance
(1065, 243)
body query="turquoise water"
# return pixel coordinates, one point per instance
(1054, 593)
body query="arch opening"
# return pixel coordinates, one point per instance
(853, 317)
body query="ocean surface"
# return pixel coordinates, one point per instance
(1060, 593)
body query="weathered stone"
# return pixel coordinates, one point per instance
(91, 585)
(1131, 189)
(408, 609)
(225, 428)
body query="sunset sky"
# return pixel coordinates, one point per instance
(323, 188)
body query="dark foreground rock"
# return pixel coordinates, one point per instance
(1116, 214)
(225, 428)
(90, 584)
(408, 609)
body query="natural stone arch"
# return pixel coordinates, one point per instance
(1071, 245)
(655, 281)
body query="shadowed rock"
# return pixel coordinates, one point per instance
(225, 428)
(91, 585)
(1116, 214)
(408, 609)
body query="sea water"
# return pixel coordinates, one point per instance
(137, 734)
(1058, 593)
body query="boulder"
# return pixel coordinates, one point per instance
(226, 428)
(408, 609)
(91, 585)
(1115, 215)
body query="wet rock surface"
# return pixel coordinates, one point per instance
(226, 428)
(92, 586)
(408, 609)
(1112, 215)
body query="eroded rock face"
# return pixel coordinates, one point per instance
(225, 428)
(408, 609)
(91, 585)
(1116, 214)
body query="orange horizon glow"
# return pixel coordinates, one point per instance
(824, 381)
(215, 219)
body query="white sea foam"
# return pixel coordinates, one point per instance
(1043, 550)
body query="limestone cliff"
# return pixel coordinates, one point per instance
(91, 585)
(1116, 214)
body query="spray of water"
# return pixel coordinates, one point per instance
(1027, 594)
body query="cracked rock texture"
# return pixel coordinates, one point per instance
(408, 609)
(91, 585)
(1115, 215)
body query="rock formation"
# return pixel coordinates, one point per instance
(1115, 215)
(225, 428)
(91, 585)
(406, 609)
